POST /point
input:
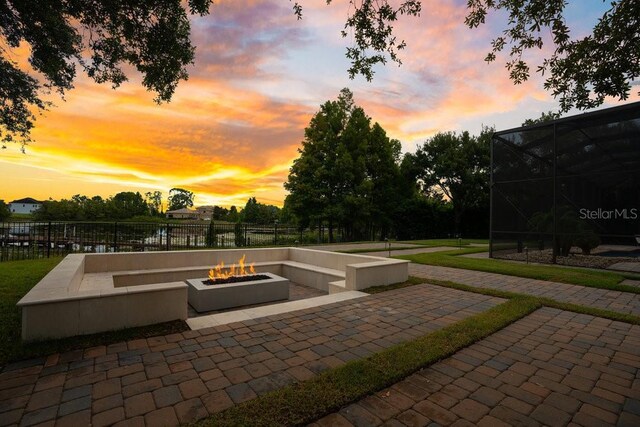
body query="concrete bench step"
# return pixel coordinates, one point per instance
(337, 287)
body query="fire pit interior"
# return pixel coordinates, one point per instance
(235, 286)
(235, 279)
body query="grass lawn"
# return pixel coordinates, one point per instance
(446, 242)
(575, 276)
(397, 247)
(18, 217)
(16, 279)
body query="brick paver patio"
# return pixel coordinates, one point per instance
(182, 377)
(622, 302)
(551, 368)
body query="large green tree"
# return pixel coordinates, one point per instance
(314, 181)
(259, 213)
(127, 204)
(102, 37)
(383, 180)
(456, 166)
(154, 201)
(179, 198)
(346, 174)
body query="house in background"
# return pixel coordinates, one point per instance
(24, 206)
(184, 213)
(203, 213)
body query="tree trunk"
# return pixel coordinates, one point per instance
(457, 219)
(330, 230)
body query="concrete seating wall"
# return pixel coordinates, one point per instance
(149, 287)
(57, 307)
(127, 261)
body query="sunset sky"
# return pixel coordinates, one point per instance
(233, 129)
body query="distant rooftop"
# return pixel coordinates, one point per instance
(183, 210)
(27, 200)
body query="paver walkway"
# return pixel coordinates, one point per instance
(622, 302)
(182, 377)
(633, 267)
(551, 368)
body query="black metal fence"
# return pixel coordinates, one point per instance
(28, 240)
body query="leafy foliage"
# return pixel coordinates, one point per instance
(128, 203)
(574, 231)
(154, 201)
(581, 72)
(124, 205)
(544, 117)
(259, 213)
(456, 166)
(5, 212)
(347, 174)
(179, 198)
(370, 23)
(420, 216)
(224, 214)
(102, 37)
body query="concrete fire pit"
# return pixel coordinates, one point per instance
(203, 297)
(89, 293)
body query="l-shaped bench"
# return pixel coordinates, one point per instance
(88, 293)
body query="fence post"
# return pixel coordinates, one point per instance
(49, 240)
(275, 233)
(115, 236)
(168, 238)
(246, 236)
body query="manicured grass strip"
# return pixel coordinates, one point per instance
(574, 276)
(393, 248)
(16, 279)
(304, 402)
(447, 242)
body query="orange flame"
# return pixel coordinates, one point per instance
(239, 269)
